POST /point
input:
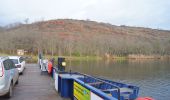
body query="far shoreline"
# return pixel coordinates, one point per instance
(34, 58)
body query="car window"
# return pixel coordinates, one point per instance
(11, 64)
(21, 59)
(15, 61)
(6, 65)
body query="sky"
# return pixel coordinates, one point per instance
(139, 13)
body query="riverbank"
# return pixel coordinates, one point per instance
(34, 58)
(140, 56)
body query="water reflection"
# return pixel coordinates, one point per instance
(152, 76)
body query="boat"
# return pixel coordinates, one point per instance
(78, 86)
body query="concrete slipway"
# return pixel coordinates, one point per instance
(34, 85)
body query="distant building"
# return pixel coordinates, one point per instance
(20, 52)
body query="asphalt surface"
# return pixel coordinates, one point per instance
(34, 85)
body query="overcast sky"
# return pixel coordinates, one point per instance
(145, 13)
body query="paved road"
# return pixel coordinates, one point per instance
(34, 85)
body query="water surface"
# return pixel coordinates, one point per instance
(152, 76)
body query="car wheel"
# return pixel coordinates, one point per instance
(17, 82)
(10, 92)
(21, 73)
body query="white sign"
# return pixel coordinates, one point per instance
(56, 81)
(95, 97)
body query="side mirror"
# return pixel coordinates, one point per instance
(15, 66)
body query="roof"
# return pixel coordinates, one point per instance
(14, 57)
(2, 57)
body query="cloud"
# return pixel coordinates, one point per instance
(146, 13)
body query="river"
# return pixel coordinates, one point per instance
(152, 76)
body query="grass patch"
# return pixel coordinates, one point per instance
(34, 58)
(119, 58)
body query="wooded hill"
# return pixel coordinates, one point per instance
(82, 38)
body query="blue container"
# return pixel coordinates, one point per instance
(59, 84)
(66, 88)
(65, 85)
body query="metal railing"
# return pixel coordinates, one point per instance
(116, 87)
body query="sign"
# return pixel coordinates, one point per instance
(80, 92)
(95, 97)
(56, 80)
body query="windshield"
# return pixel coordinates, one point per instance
(15, 61)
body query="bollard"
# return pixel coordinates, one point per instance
(61, 64)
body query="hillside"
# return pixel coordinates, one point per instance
(79, 37)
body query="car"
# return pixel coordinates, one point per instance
(9, 76)
(19, 62)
